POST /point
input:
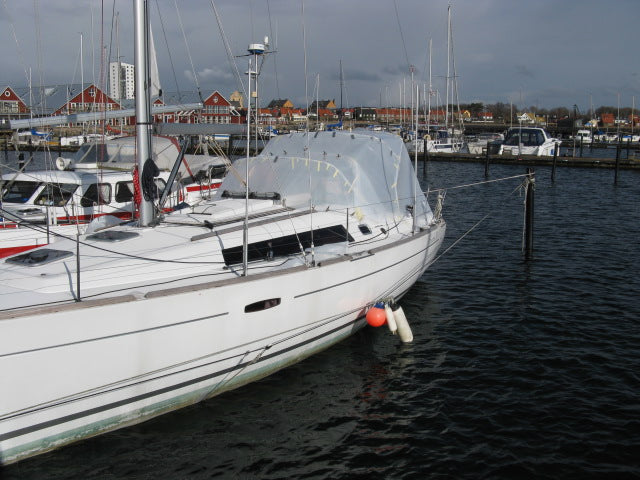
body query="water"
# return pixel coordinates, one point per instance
(518, 369)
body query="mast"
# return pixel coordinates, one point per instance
(143, 101)
(430, 90)
(255, 50)
(446, 118)
(341, 88)
(81, 79)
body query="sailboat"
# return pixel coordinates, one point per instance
(298, 244)
(448, 139)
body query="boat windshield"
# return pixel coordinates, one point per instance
(105, 153)
(528, 137)
(19, 191)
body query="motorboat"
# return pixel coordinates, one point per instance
(477, 144)
(583, 137)
(527, 141)
(98, 180)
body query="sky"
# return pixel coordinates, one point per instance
(542, 53)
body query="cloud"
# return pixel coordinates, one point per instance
(209, 75)
(524, 71)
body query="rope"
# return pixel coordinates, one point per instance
(478, 183)
(186, 43)
(164, 34)
(232, 63)
(483, 218)
(404, 46)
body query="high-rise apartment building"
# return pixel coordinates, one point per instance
(121, 80)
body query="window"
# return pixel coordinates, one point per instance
(287, 245)
(39, 256)
(19, 192)
(124, 191)
(56, 194)
(96, 194)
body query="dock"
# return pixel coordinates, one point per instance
(631, 163)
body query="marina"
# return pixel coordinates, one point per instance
(430, 275)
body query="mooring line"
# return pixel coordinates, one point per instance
(520, 186)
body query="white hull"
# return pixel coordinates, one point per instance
(98, 365)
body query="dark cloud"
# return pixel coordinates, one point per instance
(503, 49)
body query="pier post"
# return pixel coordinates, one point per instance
(555, 160)
(615, 178)
(528, 214)
(486, 163)
(581, 144)
(628, 146)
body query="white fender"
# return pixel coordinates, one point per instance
(404, 330)
(390, 319)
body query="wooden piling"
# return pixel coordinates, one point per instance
(528, 214)
(555, 161)
(581, 144)
(486, 163)
(615, 178)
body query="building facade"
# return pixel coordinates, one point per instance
(121, 80)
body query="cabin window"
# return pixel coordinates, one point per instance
(39, 256)
(364, 229)
(96, 194)
(56, 194)
(124, 191)
(287, 245)
(113, 236)
(19, 192)
(262, 305)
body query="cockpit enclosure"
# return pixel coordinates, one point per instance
(339, 171)
(528, 137)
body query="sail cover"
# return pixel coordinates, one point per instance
(369, 173)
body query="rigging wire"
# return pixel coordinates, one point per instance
(404, 46)
(275, 64)
(307, 150)
(230, 59)
(186, 43)
(164, 35)
(15, 38)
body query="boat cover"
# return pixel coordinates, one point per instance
(370, 173)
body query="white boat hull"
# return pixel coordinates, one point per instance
(99, 365)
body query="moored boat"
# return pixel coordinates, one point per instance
(38, 206)
(527, 141)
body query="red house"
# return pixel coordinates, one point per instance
(91, 99)
(11, 105)
(217, 109)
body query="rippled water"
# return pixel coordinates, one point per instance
(518, 369)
